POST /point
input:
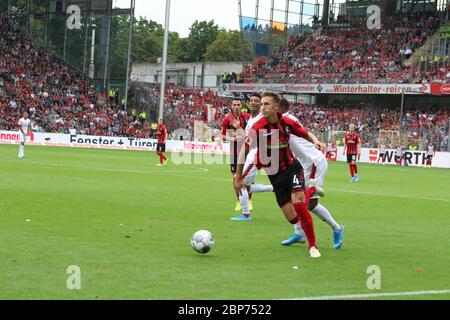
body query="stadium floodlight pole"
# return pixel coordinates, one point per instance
(92, 58)
(401, 112)
(130, 34)
(164, 60)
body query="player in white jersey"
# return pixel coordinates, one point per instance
(431, 151)
(249, 168)
(315, 167)
(330, 149)
(399, 155)
(24, 129)
(381, 154)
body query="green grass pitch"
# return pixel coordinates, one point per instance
(127, 224)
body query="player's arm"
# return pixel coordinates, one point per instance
(359, 146)
(345, 146)
(315, 141)
(299, 131)
(226, 133)
(20, 127)
(251, 139)
(166, 135)
(237, 136)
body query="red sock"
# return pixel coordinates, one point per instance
(355, 169)
(307, 223)
(308, 194)
(161, 157)
(351, 171)
(164, 157)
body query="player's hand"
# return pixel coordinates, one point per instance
(235, 123)
(320, 146)
(240, 135)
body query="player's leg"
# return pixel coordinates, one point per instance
(350, 164)
(325, 215)
(299, 235)
(249, 174)
(260, 188)
(233, 169)
(163, 156)
(22, 150)
(158, 153)
(355, 168)
(309, 170)
(23, 139)
(237, 207)
(244, 200)
(297, 185)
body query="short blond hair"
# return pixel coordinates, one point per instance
(275, 96)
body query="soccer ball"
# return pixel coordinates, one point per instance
(202, 241)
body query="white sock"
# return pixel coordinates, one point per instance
(243, 199)
(298, 229)
(21, 151)
(257, 188)
(326, 216)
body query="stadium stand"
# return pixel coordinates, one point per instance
(353, 54)
(57, 96)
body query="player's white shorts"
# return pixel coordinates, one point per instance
(23, 138)
(316, 171)
(250, 170)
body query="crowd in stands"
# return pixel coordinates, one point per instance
(436, 74)
(55, 95)
(349, 55)
(232, 77)
(427, 123)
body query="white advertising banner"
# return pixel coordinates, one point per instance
(121, 143)
(414, 158)
(331, 88)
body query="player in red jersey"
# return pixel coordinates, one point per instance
(161, 133)
(233, 131)
(270, 136)
(352, 149)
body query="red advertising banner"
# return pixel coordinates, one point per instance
(440, 89)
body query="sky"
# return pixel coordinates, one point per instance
(225, 13)
(185, 12)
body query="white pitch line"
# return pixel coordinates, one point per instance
(376, 295)
(388, 195)
(199, 170)
(54, 165)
